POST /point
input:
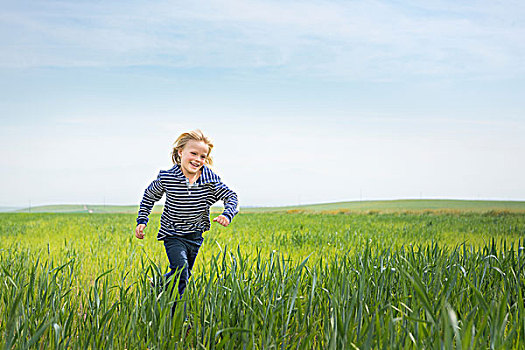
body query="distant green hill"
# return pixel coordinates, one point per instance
(79, 208)
(356, 206)
(407, 205)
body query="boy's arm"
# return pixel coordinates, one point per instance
(152, 194)
(231, 203)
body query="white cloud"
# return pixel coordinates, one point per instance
(356, 40)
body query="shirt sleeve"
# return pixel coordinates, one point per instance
(152, 194)
(231, 203)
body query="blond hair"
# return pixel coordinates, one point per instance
(183, 139)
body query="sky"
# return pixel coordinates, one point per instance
(306, 101)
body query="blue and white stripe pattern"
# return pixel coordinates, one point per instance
(187, 208)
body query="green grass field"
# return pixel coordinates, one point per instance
(329, 278)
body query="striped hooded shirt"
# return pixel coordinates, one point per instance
(187, 208)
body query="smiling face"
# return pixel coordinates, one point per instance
(193, 157)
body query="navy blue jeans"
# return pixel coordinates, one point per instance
(182, 252)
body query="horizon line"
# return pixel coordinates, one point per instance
(17, 207)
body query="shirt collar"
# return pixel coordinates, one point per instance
(207, 176)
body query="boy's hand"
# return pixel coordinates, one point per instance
(223, 220)
(139, 231)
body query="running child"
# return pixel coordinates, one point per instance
(191, 188)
